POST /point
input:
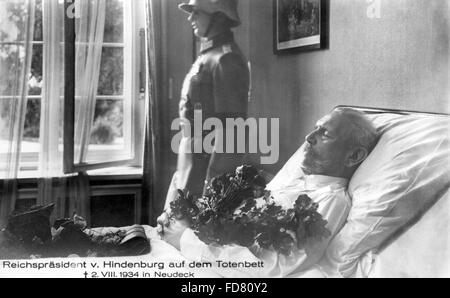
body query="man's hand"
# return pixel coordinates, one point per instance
(163, 222)
(171, 230)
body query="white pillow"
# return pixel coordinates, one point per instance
(405, 173)
(289, 172)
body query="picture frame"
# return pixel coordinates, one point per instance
(300, 25)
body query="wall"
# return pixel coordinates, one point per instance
(398, 61)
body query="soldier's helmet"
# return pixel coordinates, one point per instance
(227, 7)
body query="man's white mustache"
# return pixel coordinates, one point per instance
(307, 148)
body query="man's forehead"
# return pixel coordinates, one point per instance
(323, 120)
(329, 121)
(332, 121)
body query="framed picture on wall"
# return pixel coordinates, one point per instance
(300, 25)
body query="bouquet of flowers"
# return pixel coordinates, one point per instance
(231, 213)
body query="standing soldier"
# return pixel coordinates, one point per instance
(216, 86)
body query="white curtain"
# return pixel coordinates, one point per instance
(50, 161)
(54, 186)
(89, 39)
(15, 62)
(16, 35)
(153, 157)
(51, 188)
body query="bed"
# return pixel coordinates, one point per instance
(399, 222)
(398, 225)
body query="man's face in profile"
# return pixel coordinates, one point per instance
(325, 148)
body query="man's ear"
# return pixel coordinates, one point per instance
(356, 156)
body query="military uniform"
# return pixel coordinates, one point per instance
(218, 85)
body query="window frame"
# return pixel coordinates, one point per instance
(28, 160)
(132, 108)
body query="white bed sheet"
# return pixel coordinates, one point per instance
(421, 251)
(161, 251)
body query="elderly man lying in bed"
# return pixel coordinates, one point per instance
(328, 158)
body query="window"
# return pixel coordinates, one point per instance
(117, 128)
(9, 50)
(117, 96)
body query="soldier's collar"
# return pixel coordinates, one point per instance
(216, 41)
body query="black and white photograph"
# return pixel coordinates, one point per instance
(224, 139)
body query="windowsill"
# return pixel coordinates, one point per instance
(117, 171)
(123, 171)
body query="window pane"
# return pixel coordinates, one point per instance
(35, 79)
(107, 135)
(38, 21)
(11, 61)
(5, 108)
(13, 19)
(108, 122)
(32, 117)
(111, 72)
(30, 141)
(114, 21)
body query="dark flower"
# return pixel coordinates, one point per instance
(228, 214)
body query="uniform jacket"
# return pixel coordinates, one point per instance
(218, 85)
